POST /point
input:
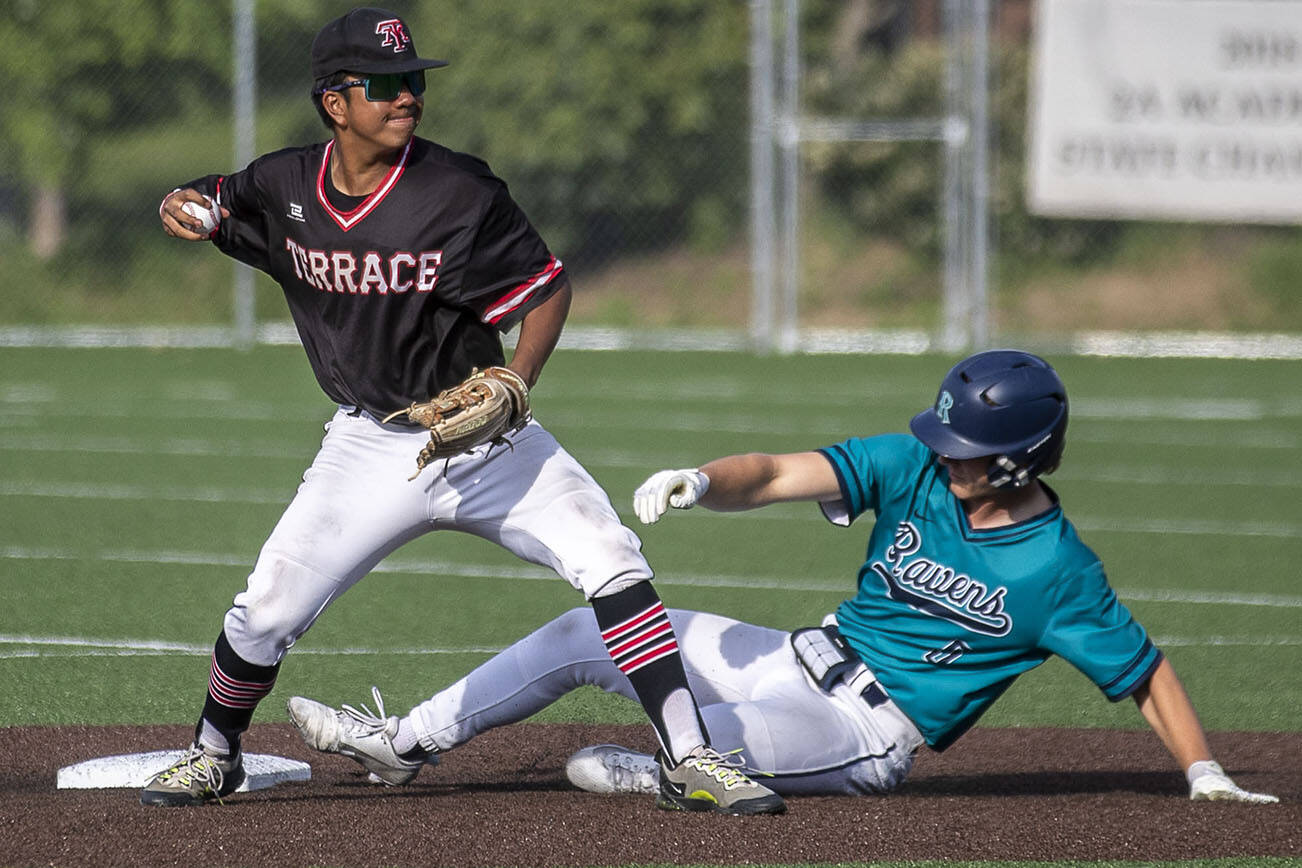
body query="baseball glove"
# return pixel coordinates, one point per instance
(484, 408)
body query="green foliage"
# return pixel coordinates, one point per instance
(893, 189)
(622, 129)
(617, 124)
(1273, 271)
(620, 126)
(75, 70)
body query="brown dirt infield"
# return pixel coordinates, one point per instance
(503, 800)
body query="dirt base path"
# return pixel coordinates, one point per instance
(503, 801)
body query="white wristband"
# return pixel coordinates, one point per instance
(1202, 767)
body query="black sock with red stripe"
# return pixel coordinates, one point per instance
(235, 687)
(641, 641)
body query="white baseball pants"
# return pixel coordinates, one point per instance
(752, 691)
(355, 506)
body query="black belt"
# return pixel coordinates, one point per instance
(874, 695)
(828, 658)
(399, 420)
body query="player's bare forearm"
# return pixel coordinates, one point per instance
(1167, 708)
(539, 332)
(755, 479)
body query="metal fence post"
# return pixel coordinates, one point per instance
(763, 226)
(245, 130)
(979, 248)
(952, 331)
(789, 135)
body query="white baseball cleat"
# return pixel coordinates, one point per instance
(359, 735)
(609, 768)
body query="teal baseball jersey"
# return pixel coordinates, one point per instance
(948, 616)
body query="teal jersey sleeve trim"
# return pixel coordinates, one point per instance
(848, 482)
(1136, 675)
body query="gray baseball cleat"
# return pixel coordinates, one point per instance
(359, 735)
(196, 778)
(608, 769)
(706, 780)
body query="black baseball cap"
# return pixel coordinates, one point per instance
(367, 40)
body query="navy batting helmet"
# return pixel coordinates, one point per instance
(1007, 404)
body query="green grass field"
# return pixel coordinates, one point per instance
(138, 486)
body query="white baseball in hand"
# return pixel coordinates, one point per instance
(209, 217)
(680, 489)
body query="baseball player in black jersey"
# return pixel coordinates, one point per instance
(403, 262)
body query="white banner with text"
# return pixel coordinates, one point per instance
(1167, 109)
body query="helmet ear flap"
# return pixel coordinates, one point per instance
(1054, 457)
(1004, 471)
(1018, 471)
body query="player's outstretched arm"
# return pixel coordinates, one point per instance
(1167, 708)
(738, 482)
(757, 479)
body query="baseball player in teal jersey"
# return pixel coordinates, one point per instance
(973, 575)
(948, 614)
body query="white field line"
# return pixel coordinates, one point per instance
(1185, 409)
(445, 569)
(64, 647)
(190, 447)
(820, 432)
(1218, 641)
(693, 400)
(617, 458)
(1144, 344)
(220, 400)
(1092, 524)
(75, 646)
(282, 494)
(85, 491)
(1186, 527)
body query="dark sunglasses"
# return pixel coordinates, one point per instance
(383, 87)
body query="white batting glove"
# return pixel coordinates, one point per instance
(680, 489)
(1209, 782)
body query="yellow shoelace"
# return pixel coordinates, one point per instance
(717, 765)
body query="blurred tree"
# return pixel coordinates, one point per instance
(617, 124)
(892, 189)
(75, 70)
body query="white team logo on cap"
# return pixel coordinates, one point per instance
(394, 34)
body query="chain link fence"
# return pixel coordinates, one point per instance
(625, 131)
(872, 236)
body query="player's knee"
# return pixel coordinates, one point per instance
(262, 634)
(251, 640)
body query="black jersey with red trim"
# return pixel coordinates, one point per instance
(398, 297)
